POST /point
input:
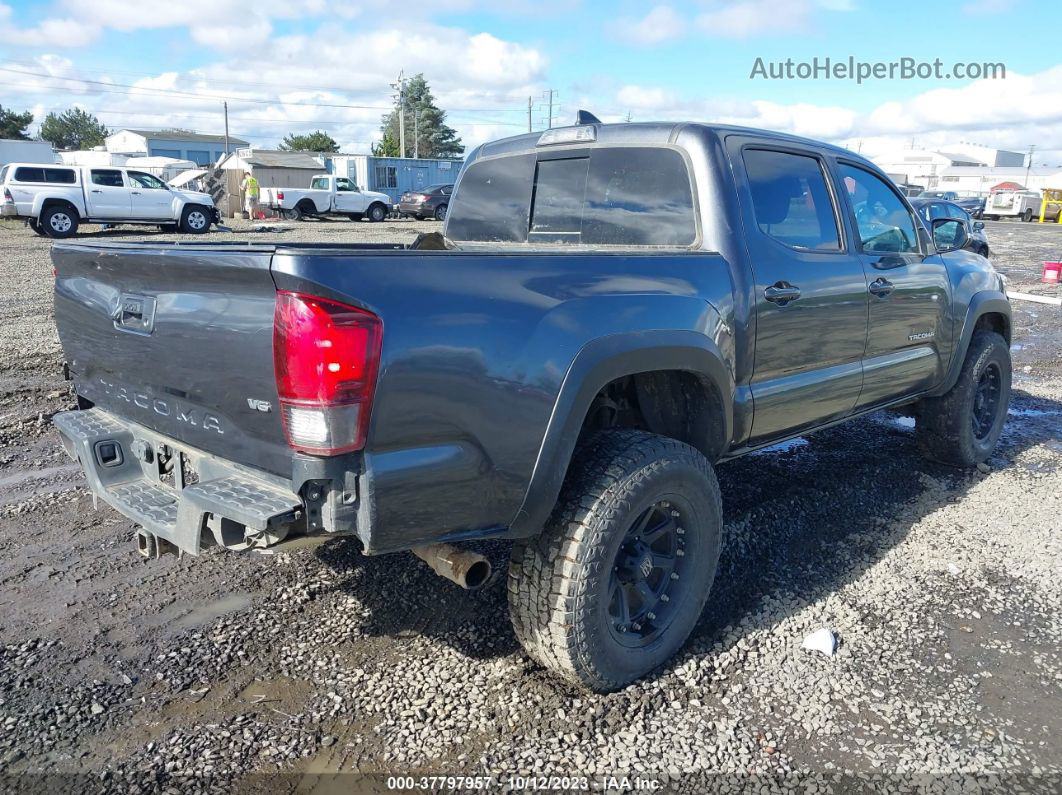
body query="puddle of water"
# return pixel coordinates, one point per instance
(206, 612)
(1033, 412)
(783, 447)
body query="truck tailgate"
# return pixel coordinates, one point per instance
(177, 339)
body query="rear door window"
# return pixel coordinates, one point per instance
(111, 178)
(791, 200)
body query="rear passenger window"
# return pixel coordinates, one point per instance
(885, 225)
(791, 200)
(63, 176)
(111, 179)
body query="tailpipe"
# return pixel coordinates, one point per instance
(468, 569)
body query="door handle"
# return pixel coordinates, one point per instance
(881, 287)
(96, 190)
(781, 293)
(135, 193)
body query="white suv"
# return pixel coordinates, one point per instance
(56, 199)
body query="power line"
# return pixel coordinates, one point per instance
(265, 84)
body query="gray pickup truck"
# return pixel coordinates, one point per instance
(611, 311)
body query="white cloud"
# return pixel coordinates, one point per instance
(662, 23)
(53, 32)
(748, 18)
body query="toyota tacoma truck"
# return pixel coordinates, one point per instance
(327, 195)
(56, 200)
(611, 312)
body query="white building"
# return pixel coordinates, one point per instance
(18, 151)
(200, 148)
(967, 169)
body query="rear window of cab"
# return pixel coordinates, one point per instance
(60, 176)
(608, 196)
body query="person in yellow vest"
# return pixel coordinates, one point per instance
(249, 186)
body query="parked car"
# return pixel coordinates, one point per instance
(56, 200)
(620, 308)
(974, 205)
(945, 195)
(932, 209)
(327, 195)
(1023, 204)
(428, 203)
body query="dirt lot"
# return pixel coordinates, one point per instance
(202, 674)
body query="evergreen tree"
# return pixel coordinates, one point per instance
(13, 124)
(434, 137)
(73, 129)
(317, 141)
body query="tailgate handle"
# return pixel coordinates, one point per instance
(135, 313)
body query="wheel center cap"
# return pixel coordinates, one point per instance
(646, 565)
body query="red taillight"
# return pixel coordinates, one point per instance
(7, 196)
(280, 195)
(325, 355)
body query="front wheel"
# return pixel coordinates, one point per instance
(377, 213)
(195, 220)
(963, 426)
(615, 583)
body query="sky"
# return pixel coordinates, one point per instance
(325, 64)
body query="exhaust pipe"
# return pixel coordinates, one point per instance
(468, 569)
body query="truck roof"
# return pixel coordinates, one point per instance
(653, 132)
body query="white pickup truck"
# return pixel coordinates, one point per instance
(1023, 204)
(55, 200)
(327, 195)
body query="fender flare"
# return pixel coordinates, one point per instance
(595, 365)
(42, 201)
(983, 303)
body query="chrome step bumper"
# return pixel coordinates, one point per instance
(239, 506)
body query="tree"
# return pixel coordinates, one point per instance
(317, 141)
(13, 125)
(434, 138)
(73, 129)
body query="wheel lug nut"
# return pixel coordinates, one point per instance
(651, 616)
(680, 531)
(636, 627)
(674, 576)
(622, 628)
(680, 553)
(674, 513)
(665, 598)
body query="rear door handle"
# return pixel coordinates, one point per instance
(96, 190)
(781, 293)
(881, 287)
(135, 193)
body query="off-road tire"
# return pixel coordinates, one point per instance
(195, 220)
(559, 581)
(59, 221)
(944, 426)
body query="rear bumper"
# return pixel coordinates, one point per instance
(8, 211)
(203, 500)
(408, 208)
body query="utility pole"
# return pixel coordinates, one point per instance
(628, 117)
(226, 106)
(1032, 148)
(529, 114)
(416, 136)
(550, 125)
(400, 86)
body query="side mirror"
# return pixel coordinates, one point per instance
(949, 234)
(979, 225)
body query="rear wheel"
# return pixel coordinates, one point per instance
(36, 227)
(294, 214)
(1027, 215)
(195, 220)
(377, 212)
(440, 212)
(963, 426)
(615, 583)
(59, 221)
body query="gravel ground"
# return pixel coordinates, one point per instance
(943, 587)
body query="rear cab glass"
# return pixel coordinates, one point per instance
(3, 174)
(607, 196)
(40, 174)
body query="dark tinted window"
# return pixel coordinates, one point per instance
(609, 196)
(492, 205)
(884, 223)
(791, 201)
(112, 179)
(63, 176)
(956, 212)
